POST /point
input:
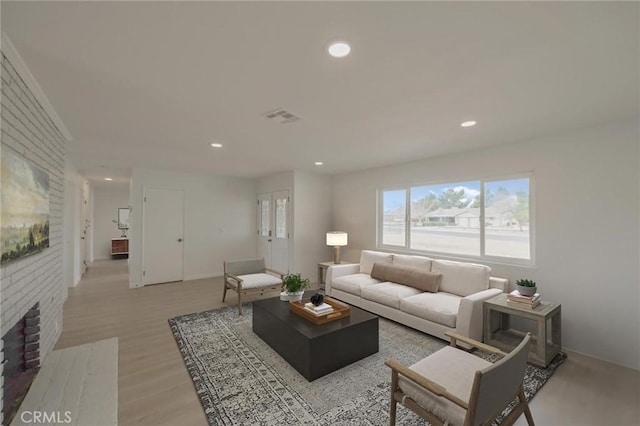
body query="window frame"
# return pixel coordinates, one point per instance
(380, 217)
(510, 261)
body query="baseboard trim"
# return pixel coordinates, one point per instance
(203, 276)
(570, 352)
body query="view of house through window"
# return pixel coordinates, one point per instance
(447, 218)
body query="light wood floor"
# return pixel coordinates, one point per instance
(155, 388)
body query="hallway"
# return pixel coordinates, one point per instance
(154, 386)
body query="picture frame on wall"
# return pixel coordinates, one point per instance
(25, 207)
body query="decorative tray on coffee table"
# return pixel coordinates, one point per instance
(340, 310)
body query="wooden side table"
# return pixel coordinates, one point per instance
(322, 271)
(498, 331)
(119, 246)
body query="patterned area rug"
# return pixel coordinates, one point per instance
(240, 380)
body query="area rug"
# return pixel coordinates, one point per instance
(240, 380)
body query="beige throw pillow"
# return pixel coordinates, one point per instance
(412, 277)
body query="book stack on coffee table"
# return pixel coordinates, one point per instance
(521, 301)
(322, 309)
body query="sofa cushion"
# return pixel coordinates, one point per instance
(369, 257)
(462, 278)
(353, 283)
(441, 307)
(413, 277)
(420, 262)
(388, 294)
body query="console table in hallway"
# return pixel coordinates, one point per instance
(119, 246)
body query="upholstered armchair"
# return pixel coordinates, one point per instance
(250, 276)
(452, 386)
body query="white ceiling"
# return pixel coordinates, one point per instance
(151, 84)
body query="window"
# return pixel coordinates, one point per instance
(264, 218)
(506, 223)
(481, 218)
(281, 217)
(446, 218)
(394, 217)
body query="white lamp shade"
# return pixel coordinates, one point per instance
(337, 238)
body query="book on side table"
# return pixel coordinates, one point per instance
(519, 300)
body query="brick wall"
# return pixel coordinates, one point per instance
(29, 131)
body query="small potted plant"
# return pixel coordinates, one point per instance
(526, 287)
(295, 285)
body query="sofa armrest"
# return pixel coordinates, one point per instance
(335, 271)
(469, 321)
(501, 284)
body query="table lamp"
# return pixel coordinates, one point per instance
(336, 239)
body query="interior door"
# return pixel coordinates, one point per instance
(163, 234)
(264, 228)
(273, 229)
(84, 230)
(280, 240)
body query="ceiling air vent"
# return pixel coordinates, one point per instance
(281, 116)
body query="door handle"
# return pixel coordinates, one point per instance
(179, 240)
(269, 241)
(82, 238)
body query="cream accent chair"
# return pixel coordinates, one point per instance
(248, 277)
(453, 387)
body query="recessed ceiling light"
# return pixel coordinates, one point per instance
(216, 145)
(339, 49)
(318, 163)
(108, 179)
(468, 123)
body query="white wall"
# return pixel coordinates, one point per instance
(220, 220)
(586, 217)
(312, 219)
(277, 182)
(29, 130)
(73, 224)
(106, 201)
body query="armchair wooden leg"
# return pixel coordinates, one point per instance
(527, 411)
(224, 293)
(394, 403)
(240, 303)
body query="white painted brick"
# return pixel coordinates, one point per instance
(38, 278)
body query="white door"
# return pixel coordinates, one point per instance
(84, 215)
(273, 229)
(264, 228)
(280, 241)
(163, 234)
(69, 219)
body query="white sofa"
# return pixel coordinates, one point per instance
(456, 306)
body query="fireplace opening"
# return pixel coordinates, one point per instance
(21, 350)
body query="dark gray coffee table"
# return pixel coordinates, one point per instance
(315, 350)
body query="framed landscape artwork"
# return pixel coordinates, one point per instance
(25, 207)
